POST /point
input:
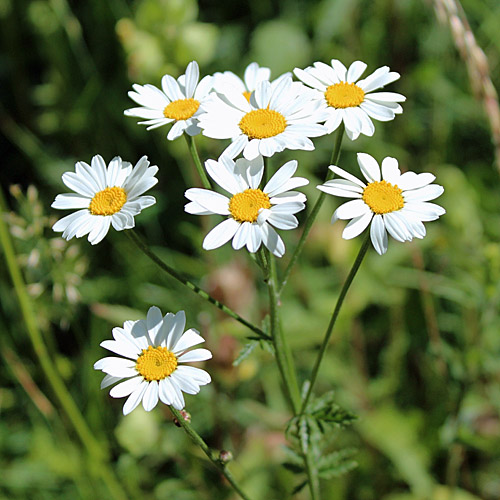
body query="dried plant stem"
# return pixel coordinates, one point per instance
(451, 12)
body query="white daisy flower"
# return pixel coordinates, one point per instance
(348, 99)
(393, 202)
(228, 81)
(104, 195)
(278, 117)
(180, 101)
(153, 353)
(251, 211)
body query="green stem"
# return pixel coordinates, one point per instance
(196, 289)
(338, 305)
(94, 448)
(197, 162)
(212, 456)
(281, 347)
(312, 475)
(314, 212)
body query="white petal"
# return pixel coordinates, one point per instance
(179, 323)
(198, 375)
(378, 235)
(356, 69)
(411, 180)
(356, 226)
(189, 339)
(347, 175)
(369, 167)
(242, 235)
(166, 391)
(390, 171)
(187, 385)
(109, 380)
(220, 234)
(255, 238)
(209, 200)
(125, 349)
(71, 201)
(125, 388)
(195, 355)
(150, 398)
(116, 367)
(394, 227)
(350, 210)
(135, 398)
(425, 193)
(280, 178)
(272, 240)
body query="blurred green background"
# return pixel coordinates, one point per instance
(416, 353)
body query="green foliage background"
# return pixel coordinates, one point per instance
(416, 353)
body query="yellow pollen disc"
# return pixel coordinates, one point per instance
(156, 363)
(382, 197)
(247, 95)
(182, 109)
(344, 95)
(262, 123)
(245, 206)
(108, 201)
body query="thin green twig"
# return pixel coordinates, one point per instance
(314, 212)
(281, 347)
(212, 456)
(197, 162)
(196, 289)
(338, 305)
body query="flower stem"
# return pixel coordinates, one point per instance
(338, 305)
(312, 475)
(212, 456)
(197, 162)
(314, 212)
(281, 347)
(196, 289)
(94, 448)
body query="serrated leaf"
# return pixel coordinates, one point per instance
(335, 458)
(245, 352)
(338, 471)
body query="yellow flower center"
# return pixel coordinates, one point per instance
(344, 95)
(245, 206)
(247, 95)
(156, 363)
(182, 109)
(382, 197)
(108, 201)
(262, 123)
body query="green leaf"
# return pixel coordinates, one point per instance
(245, 352)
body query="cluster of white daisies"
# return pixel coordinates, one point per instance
(261, 117)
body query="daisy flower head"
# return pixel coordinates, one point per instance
(392, 202)
(179, 102)
(104, 196)
(348, 99)
(279, 116)
(254, 74)
(251, 212)
(150, 362)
